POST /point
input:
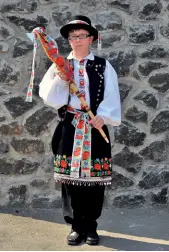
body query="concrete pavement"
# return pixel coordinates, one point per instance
(119, 229)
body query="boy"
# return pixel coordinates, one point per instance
(82, 158)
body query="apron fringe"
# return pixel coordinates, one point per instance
(82, 182)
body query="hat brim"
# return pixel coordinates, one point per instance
(64, 31)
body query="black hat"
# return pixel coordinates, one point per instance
(79, 22)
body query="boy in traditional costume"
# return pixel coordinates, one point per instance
(82, 157)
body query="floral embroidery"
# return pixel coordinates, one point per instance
(63, 164)
(86, 155)
(97, 167)
(81, 155)
(100, 167)
(80, 124)
(77, 151)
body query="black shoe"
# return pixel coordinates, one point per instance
(92, 238)
(74, 238)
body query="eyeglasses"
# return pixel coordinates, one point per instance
(81, 36)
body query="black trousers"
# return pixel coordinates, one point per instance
(82, 206)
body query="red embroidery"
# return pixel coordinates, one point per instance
(105, 166)
(85, 155)
(63, 164)
(81, 81)
(97, 167)
(80, 124)
(87, 143)
(79, 137)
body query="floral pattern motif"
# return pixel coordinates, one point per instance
(99, 167)
(81, 155)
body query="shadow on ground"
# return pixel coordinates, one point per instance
(140, 229)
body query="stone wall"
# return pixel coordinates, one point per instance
(135, 37)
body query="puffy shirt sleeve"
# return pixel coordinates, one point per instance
(53, 90)
(110, 108)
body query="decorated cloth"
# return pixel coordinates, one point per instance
(101, 92)
(81, 154)
(83, 157)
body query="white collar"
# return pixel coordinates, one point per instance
(90, 56)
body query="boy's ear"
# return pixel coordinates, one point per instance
(92, 37)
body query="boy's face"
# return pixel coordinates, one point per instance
(80, 39)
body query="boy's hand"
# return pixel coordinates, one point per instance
(97, 122)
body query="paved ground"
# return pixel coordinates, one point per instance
(119, 229)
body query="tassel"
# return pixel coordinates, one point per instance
(99, 44)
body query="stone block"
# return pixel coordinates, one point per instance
(150, 11)
(6, 32)
(11, 129)
(136, 115)
(146, 68)
(17, 166)
(122, 61)
(161, 197)
(129, 200)
(160, 123)
(160, 82)
(17, 196)
(154, 177)
(154, 52)
(157, 151)
(28, 24)
(124, 91)
(8, 74)
(17, 106)
(120, 181)
(38, 122)
(4, 146)
(128, 134)
(21, 6)
(21, 47)
(27, 146)
(128, 160)
(147, 98)
(141, 34)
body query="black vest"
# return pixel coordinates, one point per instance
(95, 71)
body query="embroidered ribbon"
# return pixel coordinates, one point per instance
(78, 22)
(30, 87)
(82, 81)
(81, 155)
(52, 49)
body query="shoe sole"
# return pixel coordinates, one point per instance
(91, 243)
(72, 243)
